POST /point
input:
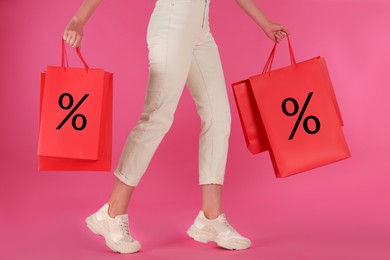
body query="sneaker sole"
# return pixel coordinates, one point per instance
(94, 226)
(199, 235)
(97, 229)
(205, 237)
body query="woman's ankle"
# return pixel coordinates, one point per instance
(114, 210)
(211, 214)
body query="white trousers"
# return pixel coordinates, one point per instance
(181, 50)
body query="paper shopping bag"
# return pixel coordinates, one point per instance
(301, 118)
(75, 130)
(251, 123)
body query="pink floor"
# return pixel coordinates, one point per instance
(45, 220)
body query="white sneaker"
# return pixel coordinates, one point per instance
(115, 230)
(218, 230)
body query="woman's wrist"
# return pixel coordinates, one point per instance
(78, 20)
(265, 24)
(85, 11)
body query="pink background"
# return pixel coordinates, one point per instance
(337, 212)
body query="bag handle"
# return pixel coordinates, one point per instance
(64, 56)
(268, 64)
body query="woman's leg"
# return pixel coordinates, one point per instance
(170, 40)
(208, 89)
(212, 200)
(173, 30)
(120, 198)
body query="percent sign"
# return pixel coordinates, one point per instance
(70, 104)
(306, 120)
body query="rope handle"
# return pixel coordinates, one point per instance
(64, 57)
(268, 64)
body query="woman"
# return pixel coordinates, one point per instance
(181, 50)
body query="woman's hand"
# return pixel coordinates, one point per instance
(275, 32)
(73, 33)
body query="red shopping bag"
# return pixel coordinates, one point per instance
(251, 123)
(300, 115)
(75, 130)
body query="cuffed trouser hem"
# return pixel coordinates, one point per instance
(211, 181)
(124, 179)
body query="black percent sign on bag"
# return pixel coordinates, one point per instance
(306, 120)
(68, 106)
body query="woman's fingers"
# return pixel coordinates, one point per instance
(68, 37)
(77, 41)
(281, 32)
(72, 38)
(276, 36)
(285, 30)
(279, 35)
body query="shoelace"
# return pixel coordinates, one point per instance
(226, 223)
(124, 228)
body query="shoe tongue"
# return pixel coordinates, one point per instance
(122, 218)
(222, 216)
